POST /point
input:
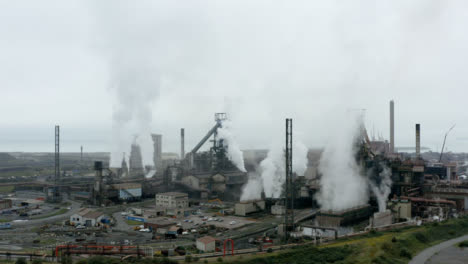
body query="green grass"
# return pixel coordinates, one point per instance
(59, 212)
(389, 247)
(4, 220)
(7, 189)
(133, 222)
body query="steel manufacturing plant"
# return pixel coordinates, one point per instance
(164, 132)
(200, 200)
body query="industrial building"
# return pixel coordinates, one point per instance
(86, 217)
(172, 200)
(206, 244)
(248, 207)
(5, 204)
(128, 191)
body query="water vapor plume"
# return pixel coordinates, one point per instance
(342, 184)
(382, 187)
(234, 153)
(134, 77)
(254, 187)
(271, 173)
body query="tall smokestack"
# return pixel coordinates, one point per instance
(392, 127)
(182, 143)
(418, 141)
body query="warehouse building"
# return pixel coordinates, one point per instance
(247, 207)
(172, 200)
(206, 244)
(86, 217)
(128, 191)
(5, 204)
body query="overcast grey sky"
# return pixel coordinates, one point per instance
(163, 65)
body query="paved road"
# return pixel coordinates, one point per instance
(75, 207)
(426, 254)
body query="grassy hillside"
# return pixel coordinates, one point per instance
(391, 247)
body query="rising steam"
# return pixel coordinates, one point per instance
(382, 189)
(271, 174)
(134, 78)
(234, 153)
(342, 184)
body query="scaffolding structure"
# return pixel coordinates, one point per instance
(290, 190)
(53, 193)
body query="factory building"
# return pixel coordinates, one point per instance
(172, 200)
(247, 207)
(206, 244)
(86, 217)
(128, 191)
(5, 204)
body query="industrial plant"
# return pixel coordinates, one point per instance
(196, 201)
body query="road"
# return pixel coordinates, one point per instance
(74, 207)
(426, 254)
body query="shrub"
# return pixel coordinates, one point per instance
(37, 261)
(195, 259)
(386, 246)
(21, 261)
(394, 239)
(205, 261)
(421, 237)
(463, 244)
(220, 259)
(404, 252)
(188, 258)
(270, 250)
(451, 232)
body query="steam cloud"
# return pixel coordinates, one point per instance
(234, 153)
(342, 184)
(382, 189)
(272, 175)
(134, 79)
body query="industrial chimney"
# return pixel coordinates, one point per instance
(182, 143)
(418, 141)
(392, 128)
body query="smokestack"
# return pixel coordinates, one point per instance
(157, 154)
(418, 141)
(182, 143)
(392, 127)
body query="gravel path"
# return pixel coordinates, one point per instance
(426, 254)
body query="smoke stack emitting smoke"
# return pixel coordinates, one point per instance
(343, 184)
(270, 175)
(234, 152)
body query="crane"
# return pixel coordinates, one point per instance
(443, 145)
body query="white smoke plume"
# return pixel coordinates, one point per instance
(342, 184)
(271, 173)
(383, 189)
(234, 153)
(253, 189)
(134, 77)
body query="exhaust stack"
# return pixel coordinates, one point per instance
(182, 143)
(418, 141)
(392, 127)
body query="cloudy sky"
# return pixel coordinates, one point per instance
(108, 70)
